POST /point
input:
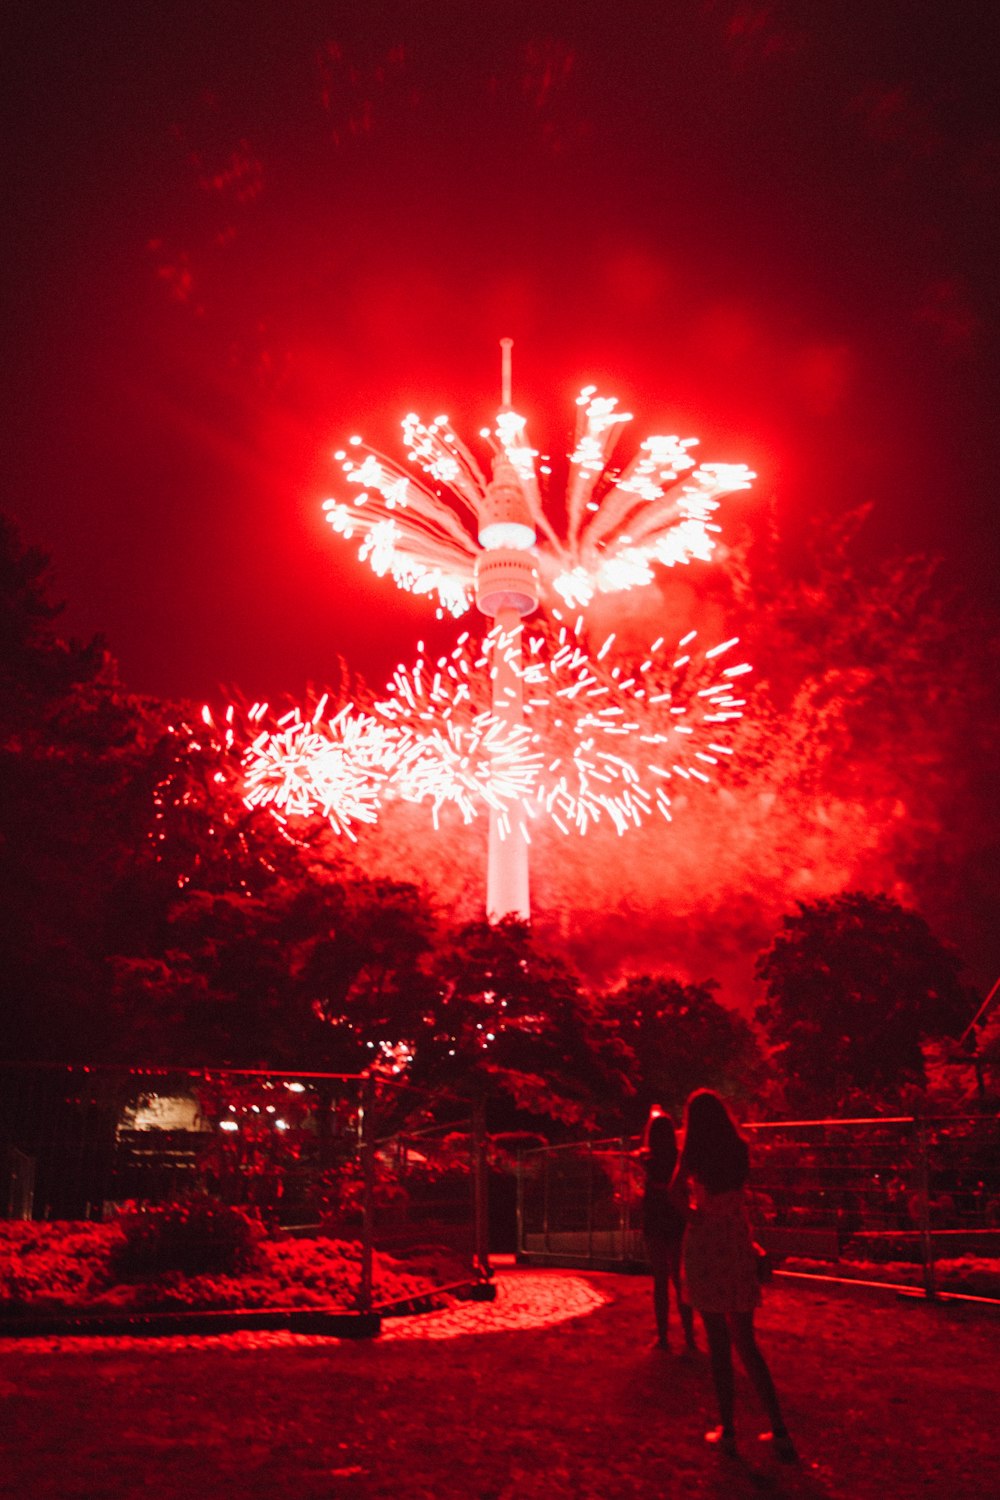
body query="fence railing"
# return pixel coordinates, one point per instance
(840, 1196)
(579, 1202)
(359, 1158)
(904, 1192)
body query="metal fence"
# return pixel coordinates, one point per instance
(358, 1158)
(828, 1196)
(903, 1192)
(579, 1203)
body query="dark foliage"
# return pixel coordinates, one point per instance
(854, 985)
(196, 1237)
(73, 748)
(682, 1039)
(514, 1023)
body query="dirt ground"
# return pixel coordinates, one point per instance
(887, 1400)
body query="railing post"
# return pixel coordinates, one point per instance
(482, 1250)
(590, 1200)
(545, 1202)
(926, 1238)
(520, 1204)
(367, 1145)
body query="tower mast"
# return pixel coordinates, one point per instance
(506, 592)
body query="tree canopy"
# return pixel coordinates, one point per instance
(73, 747)
(682, 1038)
(854, 985)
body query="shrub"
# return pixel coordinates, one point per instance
(196, 1237)
(56, 1264)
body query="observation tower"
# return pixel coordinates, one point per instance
(569, 738)
(507, 591)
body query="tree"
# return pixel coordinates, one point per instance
(682, 1038)
(346, 974)
(314, 973)
(116, 812)
(854, 985)
(513, 1024)
(37, 668)
(71, 813)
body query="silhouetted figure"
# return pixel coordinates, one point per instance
(663, 1227)
(719, 1262)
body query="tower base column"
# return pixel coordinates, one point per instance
(507, 892)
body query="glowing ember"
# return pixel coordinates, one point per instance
(618, 739)
(596, 741)
(658, 509)
(334, 767)
(449, 750)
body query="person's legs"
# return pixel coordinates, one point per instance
(753, 1361)
(656, 1252)
(721, 1356)
(684, 1308)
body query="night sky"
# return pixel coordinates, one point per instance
(236, 234)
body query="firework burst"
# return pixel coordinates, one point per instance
(561, 736)
(619, 523)
(615, 739)
(336, 767)
(597, 740)
(450, 749)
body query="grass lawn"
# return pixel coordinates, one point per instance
(887, 1399)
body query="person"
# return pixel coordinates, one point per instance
(719, 1262)
(663, 1227)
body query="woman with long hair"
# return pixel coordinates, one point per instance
(663, 1227)
(719, 1262)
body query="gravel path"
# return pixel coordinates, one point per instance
(553, 1391)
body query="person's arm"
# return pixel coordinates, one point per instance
(679, 1189)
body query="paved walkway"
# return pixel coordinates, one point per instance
(525, 1300)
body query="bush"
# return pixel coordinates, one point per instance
(57, 1264)
(196, 1237)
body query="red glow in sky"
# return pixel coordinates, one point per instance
(233, 237)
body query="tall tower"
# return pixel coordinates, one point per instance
(506, 592)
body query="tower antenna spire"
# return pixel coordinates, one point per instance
(506, 345)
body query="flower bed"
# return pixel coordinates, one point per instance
(49, 1267)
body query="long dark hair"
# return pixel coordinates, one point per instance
(714, 1151)
(661, 1145)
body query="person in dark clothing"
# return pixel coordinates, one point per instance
(663, 1228)
(719, 1262)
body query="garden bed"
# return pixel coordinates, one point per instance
(56, 1268)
